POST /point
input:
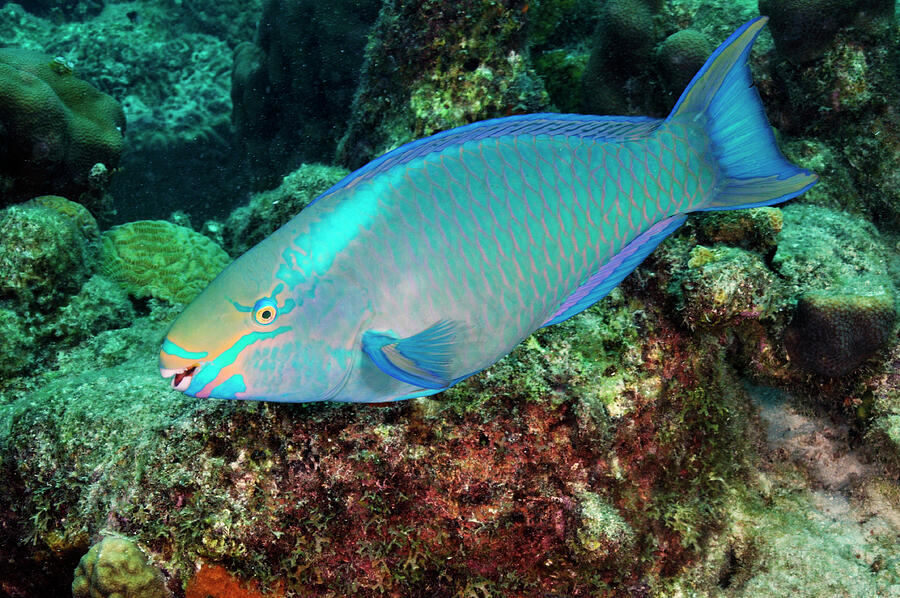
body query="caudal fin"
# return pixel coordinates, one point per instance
(722, 94)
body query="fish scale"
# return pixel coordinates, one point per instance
(432, 262)
(519, 180)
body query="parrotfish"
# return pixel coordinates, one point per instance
(435, 260)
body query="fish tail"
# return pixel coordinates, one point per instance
(722, 94)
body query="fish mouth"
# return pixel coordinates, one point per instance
(181, 379)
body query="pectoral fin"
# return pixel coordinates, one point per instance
(421, 360)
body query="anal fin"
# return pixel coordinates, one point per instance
(611, 274)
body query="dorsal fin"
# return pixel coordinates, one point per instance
(598, 128)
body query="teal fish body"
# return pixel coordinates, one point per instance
(434, 261)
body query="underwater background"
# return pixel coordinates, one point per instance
(725, 423)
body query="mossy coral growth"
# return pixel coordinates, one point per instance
(431, 66)
(592, 445)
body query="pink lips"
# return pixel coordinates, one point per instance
(181, 379)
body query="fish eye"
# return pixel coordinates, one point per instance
(265, 311)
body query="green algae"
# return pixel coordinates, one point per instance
(603, 536)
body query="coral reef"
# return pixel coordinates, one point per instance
(231, 22)
(559, 35)
(755, 229)
(820, 521)
(432, 66)
(171, 77)
(618, 453)
(827, 250)
(561, 70)
(436, 495)
(100, 305)
(16, 350)
(48, 297)
(832, 334)
(67, 9)
(625, 33)
(621, 48)
(292, 87)
(882, 407)
(117, 568)
(803, 29)
(843, 103)
(601, 532)
(76, 212)
(723, 286)
(155, 258)
(173, 88)
(56, 127)
(269, 210)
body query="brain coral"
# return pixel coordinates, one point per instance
(833, 333)
(116, 568)
(155, 258)
(680, 56)
(56, 127)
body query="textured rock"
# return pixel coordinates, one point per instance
(724, 286)
(755, 229)
(432, 66)
(44, 257)
(803, 29)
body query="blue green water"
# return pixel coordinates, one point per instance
(725, 423)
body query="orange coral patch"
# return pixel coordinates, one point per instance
(214, 581)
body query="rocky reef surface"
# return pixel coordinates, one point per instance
(726, 423)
